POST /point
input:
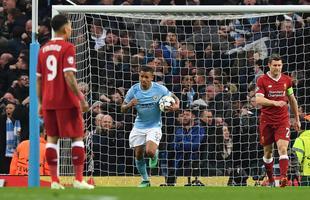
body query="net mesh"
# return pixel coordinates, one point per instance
(211, 62)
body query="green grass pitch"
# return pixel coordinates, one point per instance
(158, 193)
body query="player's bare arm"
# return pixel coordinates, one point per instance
(126, 106)
(175, 106)
(294, 107)
(39, 92)
(261, 100)
(72, 83)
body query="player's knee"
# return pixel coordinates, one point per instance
(150, 153)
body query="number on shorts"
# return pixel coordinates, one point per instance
(51, 64)
(287, 135)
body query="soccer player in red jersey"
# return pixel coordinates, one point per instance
(60, 101)
(274, 91)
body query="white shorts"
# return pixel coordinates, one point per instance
(139, 137)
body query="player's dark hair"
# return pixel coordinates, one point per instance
(275, 57)
(146, 69)
(58, 21)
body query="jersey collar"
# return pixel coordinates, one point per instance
(275, 79)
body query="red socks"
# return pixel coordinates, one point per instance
(269, 168)
(78, 156)
(283, 162)
(51, 158)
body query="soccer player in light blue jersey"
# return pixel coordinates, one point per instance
(146, 133)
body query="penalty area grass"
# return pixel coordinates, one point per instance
(157, 193)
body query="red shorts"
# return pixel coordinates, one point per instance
(270, 133)
(65, 123)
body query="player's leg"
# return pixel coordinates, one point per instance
(151, 151)
(141, 166)
(282, 137)
(71, 126)
(268, 163)
(283, 160)
(137, 140)
(152, 141)
(52, 132)
(266, 140)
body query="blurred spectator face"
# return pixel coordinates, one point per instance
(107, 122)
(98, 119)
(9, 109)
(187, 51)
(249, 2)
(21, 63)
(187, 118)
(106, 2)
(124, 39)
(287, 26)
(28, 26)
(208, 51)
(24, 80)
(210, 92)
(224, 31)
(207, 117)
(111, 39)
(155, 63)
(219, 121)
(171, 38)
(96, 108)
(96, 31)
(8, 4)
(5, 58)
(226, 133)
(9, 97)
(197, 26)
(187, 81)
(117, 98)
(119, 55)
(256, 27)
(83, 87)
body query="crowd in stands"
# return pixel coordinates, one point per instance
(211, 65)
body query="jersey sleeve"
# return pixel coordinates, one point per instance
(260, 90)
(129, 96)
(69, 59)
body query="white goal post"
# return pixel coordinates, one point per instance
(210, 56)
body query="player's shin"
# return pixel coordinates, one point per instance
(283, 162)
(269, 168)
(51, 158)
(78, 156)
(141, 166)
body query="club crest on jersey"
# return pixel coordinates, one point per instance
(70, 60)
(155, 98)
(284, 85)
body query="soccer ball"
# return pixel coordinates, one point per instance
(165, 102)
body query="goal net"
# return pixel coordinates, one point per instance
(211, 62)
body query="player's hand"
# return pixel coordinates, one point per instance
(279, 103)
(132, 103)
(297, 125)
(40, 110)
(172, 108)
(84, 106)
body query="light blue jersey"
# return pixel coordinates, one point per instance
(148, 113)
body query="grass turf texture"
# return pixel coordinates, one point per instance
(158, 193)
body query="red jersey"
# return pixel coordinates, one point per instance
(56, 57)
(276, 90)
